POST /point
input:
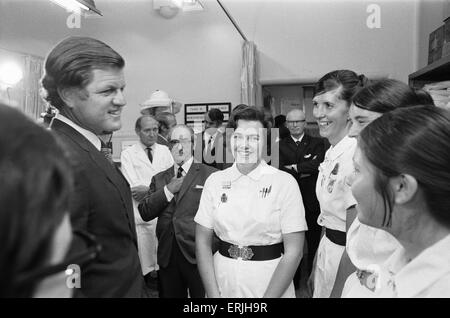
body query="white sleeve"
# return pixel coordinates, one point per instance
(205, 211)
(292, 208)
(126, 166)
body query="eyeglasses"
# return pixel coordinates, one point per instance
(174, 142)
(296, 122)
(83, 258)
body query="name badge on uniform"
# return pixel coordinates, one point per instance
(333, 177)
(224, 198)
(226, 185)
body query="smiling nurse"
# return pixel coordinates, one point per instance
(331, 109)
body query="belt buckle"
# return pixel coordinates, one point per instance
(244, 252)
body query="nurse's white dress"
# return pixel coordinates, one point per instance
(335, 197)
(253, 209)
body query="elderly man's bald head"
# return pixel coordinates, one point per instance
(296, 122)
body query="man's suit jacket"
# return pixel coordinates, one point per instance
(214, 157)
(307, 156)
(162, 141)
(175, 218)
(101, 205)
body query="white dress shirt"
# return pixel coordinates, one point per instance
(89, 135)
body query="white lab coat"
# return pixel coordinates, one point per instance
(138, 170)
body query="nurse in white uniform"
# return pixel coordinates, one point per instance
(368, 247)
(257, 212)
(401, 184)
(331, 109)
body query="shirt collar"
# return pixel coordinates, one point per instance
(186, 166)
(423, 271)
(299, 139)
(89, 135)
(145, 147)
(255, 174)
(342, 146)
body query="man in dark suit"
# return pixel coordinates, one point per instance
(209, 147)
(84, 80)
(173, 198)
(301, 155)
(166, 122)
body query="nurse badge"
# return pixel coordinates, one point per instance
(223, 198)
(333, 177)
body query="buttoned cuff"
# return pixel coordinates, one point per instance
(169, 195)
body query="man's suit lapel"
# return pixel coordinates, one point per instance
(111, 172)
(188, 179)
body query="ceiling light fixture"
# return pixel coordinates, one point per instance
(170, 8)
(78, 6)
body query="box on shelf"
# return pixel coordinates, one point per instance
(446, 45)
(435, 44)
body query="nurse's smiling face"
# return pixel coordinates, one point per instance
(331, 113)
(247, 142)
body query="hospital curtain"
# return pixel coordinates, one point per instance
(250, 87)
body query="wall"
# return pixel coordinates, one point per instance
(301, 40)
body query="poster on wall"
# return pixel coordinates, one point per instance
(194, 114)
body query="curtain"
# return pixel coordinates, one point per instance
(33, 105)
(250, 88)
(25, 94)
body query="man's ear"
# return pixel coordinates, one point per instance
(404, 187)
(69, 96)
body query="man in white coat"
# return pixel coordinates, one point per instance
(140, 163)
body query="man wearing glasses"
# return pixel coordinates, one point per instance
(173, 198)
(301, 155)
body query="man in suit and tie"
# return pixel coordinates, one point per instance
(173, 198)
(209, 144)
(139, 163)
(301, 155)
(166, 122)
(84, 80)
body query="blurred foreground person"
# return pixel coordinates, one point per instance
(35, 229)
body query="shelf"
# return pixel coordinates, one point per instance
(435, 72)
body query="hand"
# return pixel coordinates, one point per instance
(139, 192)
(175, 184)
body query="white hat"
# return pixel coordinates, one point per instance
(157, 99)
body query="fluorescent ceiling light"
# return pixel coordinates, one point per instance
(78, 5)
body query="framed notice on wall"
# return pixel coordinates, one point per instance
(194, 114)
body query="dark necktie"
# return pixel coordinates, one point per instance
(107, 152)
(149, 153)
(297, 143)
(180, 172)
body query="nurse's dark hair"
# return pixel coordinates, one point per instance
(347, 80)
(249, 113)
(71, 62)
(34, 197)
(413, 141)
(384, 95)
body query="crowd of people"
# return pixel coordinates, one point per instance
(254, 208)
